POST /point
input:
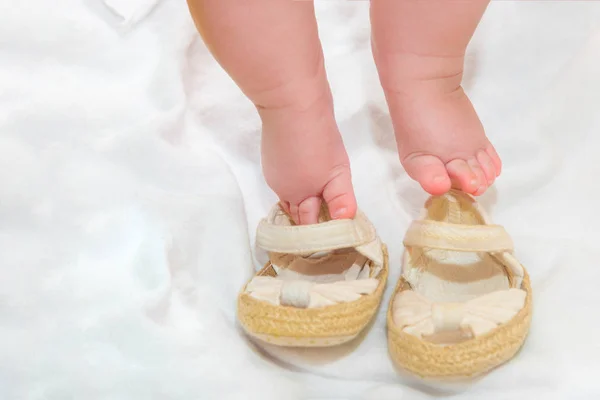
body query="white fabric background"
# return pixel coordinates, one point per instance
(130, 187)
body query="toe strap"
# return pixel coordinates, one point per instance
(458, 237)
(275, 236)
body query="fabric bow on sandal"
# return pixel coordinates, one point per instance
(463, 303)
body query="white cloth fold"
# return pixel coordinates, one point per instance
(130, 11)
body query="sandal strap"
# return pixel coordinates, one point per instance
(458, 237)
(325, 236)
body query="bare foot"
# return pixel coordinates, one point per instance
(271, 49)
(419, 48)
(304, 159)
(441, 141)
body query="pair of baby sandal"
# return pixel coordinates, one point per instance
(461, 307)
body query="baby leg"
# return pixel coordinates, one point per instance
(271, 49)
(419, 48)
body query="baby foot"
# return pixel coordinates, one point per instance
(304, 160)
(441, 141)
(419, 48)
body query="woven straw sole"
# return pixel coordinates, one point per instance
(313, 327)
(463, 360)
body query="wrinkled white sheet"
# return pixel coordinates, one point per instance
(130, 187)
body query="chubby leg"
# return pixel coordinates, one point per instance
(419, 48)
(271, 49)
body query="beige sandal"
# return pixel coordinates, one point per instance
(322, 285)
(463, 304)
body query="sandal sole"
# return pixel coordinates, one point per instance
(316, 327)
(465, 360)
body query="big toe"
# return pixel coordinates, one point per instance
(430, 172)
(338, 194)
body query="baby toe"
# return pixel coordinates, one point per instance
(487, 165)
(481, 179)
(491, 151)
(339, 195)
(462, 176)
(430, 172)
(308, 211)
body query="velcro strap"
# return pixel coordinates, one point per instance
(307, 239)
(458, 237)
